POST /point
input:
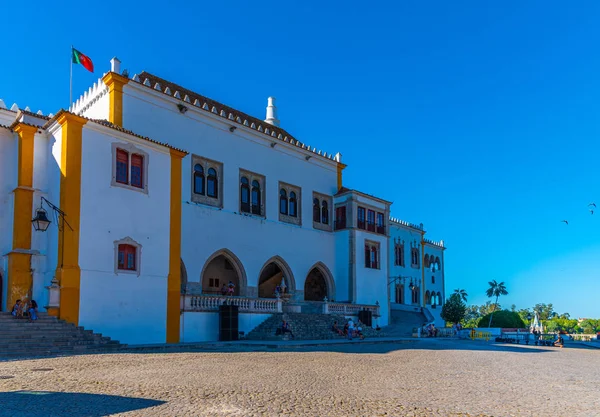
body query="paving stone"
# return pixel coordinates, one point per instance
(423, 378)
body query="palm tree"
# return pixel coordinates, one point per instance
(462, 294)
(496, 290)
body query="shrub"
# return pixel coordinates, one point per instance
(504, 319)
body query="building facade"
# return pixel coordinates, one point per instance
(162, 200)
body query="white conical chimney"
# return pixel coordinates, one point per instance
(272, 112)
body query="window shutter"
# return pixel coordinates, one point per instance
(122, 172)
(137, 166)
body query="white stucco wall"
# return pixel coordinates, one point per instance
(206, 229)
(408, 235)
(124, 306)
(204, 327)
(371, 284)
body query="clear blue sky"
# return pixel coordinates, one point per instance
(479, 120)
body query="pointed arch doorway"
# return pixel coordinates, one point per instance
(272, 274)
(221, 268)
(319, 284)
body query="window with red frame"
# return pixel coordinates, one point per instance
(122, 166)
(371, 256)
(127, 255)
(371, 221)
(380, 223)
(340, 218)
(137, 171)
(360, 223)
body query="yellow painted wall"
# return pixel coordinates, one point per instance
(19, 274)
(67, 269)
(115, 83)
(174, 279)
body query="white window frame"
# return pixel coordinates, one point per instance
(130, 149)
(377, 245)
(138, 256)
(253, 176)
(318, 225)
(206, 165)
(287, 218)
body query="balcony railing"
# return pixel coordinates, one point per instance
(345, 309)
(245, 304)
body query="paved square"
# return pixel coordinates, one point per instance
(421, 378)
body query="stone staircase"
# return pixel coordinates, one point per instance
(305, 326)
(49, 336)
(402, 323)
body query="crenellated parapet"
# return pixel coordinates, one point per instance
(439, 244)
(406, 224)
(89, 98)
(15, 108)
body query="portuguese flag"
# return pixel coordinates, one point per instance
(79, 58)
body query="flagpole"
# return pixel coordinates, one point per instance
(71, 80)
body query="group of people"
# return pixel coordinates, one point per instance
(430, 330)
(350, 330)
(22, 307)
(228, 289)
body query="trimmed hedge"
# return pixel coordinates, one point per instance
(503, 318)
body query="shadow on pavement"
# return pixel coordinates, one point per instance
(369, 346)
(355, 347)
(68, 404)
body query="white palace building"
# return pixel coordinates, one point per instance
(157, 197)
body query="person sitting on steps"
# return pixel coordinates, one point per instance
(285, 328)
(336, 329)
(17, 310)
(33, 309)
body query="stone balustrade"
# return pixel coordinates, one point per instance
(344, 309)
(245, 304)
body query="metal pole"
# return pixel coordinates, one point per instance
(71, 79)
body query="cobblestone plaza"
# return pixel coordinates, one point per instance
(415, 378)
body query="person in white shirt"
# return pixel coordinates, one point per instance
(350, 329)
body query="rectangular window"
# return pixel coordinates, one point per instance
(340, 218)
(122, 167)
(361, 218)
(126, 258)
(372, 255)
(380, 223)
(371, 221)
(137, 166)
(414, 257)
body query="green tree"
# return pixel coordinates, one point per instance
(472, 316)
(545, 311)
(487, 308)
(462, 293)
(454, 309)
(496, 290)
(503, 318)
(589, 326)
(526, 315)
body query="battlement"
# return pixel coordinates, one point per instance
(407, 224)
(87, 99)
(439, 244)
(15, 109)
